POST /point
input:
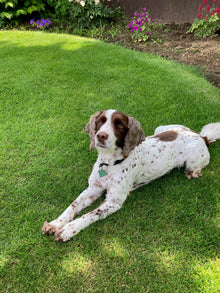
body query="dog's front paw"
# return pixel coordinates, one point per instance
(49, 228)
(63, 236)
(65, 233)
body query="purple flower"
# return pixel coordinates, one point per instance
(144, 9)
(138, 22)
(140, 29)
(134, 28)
(135, 14)
(146, 19)
(31, 21)
(151, 18)
(148, 33)
(131, 24)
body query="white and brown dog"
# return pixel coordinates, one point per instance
(126, 160)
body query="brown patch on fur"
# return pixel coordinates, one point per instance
(101, 119)
(167, 135)
(120, 126)
(91, 128)
(206, 140)
(135, 136)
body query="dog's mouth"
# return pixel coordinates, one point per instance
(101, 145)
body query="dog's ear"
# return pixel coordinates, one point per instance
(91, 129)
(134, 137)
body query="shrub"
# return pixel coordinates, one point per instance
(208, 19)
(141, 26)
(89, 14)
(15, 11)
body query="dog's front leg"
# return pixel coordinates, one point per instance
(74, 227)
(84, 199)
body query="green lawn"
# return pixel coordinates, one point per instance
(166, 236)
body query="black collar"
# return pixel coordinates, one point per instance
(115, 163)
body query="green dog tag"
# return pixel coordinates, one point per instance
(102, 173)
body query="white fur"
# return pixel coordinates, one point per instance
(146, 162)
(211, 131)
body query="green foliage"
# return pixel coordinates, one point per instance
(15, 11)
(205, 27)
(90, 14)
(207, 21)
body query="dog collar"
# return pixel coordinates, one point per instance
(102, 172)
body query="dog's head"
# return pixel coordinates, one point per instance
(110, 129)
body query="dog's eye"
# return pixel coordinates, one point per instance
(119, 124)
(101, 121)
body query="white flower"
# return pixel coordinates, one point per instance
(70, 0)
(82, 3)
(97, 2)
(91, 16)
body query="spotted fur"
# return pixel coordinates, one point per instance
(128, 160)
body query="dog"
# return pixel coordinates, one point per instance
(126, 160)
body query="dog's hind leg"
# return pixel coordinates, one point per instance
(197, 157)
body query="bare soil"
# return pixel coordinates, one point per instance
(173, 43)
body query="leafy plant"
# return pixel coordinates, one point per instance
(207, 21)
(89, 14)
(15, 11)
(141, 26)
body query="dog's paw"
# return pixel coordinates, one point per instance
(48, 228)
(63, 236)
(193, 174)
(65, 233)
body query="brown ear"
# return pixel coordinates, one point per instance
(134, 137)
(91, 129)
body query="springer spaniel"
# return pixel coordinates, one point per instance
(126, 160)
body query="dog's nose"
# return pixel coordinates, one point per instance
(102, 136)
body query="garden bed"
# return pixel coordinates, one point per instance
(173, 43)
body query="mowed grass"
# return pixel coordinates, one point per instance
(166, 236)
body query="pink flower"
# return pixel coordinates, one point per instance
(144, 9)
(217, 10)
(206, 18)
(208, 8)
(199, 15)
(205, 2)
(200, 8)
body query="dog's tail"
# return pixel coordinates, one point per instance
(210, 132)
